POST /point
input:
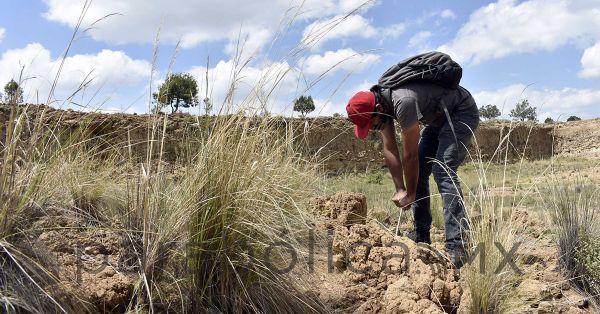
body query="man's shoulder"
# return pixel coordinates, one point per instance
(404, 91)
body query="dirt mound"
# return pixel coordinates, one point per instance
(91, 262)
(345, 209)
(382, 273)
(369, 270)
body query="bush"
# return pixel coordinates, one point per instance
(375, 178)
(549, 120)
(588, 255)
(573, 118)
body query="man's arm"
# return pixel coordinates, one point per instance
(410, 159)
(392, 156)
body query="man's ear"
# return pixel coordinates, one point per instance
(379, 108)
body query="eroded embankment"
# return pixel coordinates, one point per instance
(329, 138)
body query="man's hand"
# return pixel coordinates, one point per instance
(402, 199)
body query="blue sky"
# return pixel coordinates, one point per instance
(547, 51)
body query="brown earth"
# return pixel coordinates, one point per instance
(92, 260)
(578, 138)
(370, 271)
(330, 139)
(374, 271)
(377, 272)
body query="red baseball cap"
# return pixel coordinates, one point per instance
(360, 108)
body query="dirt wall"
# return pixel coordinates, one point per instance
(331, 138)
(497, 141)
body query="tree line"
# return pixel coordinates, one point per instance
(180, 90)
(523, 111)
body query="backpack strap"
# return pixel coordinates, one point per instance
(383, 96)
(449, 120)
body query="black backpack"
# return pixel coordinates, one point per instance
(435, 67)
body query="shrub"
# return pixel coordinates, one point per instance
(375, 178)
(588, 255)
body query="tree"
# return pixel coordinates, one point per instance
(549, 120)
(574, 118)
(13, 92)
(304, 105)
(489, 112)
(524, 111)
(178, 90)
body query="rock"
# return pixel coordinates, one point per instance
(343, 208)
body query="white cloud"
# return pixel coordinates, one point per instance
(345, 26)
(326, 107)
(2, 32)
(275, 85)
(510, 26)
(248, 43)
(333, 61)
(590, 62)
(109, 71)
(555, 103)
(448, 14)
(272, 86)
(420, 39)
(191, 21)
(392, 31)
(347, 6)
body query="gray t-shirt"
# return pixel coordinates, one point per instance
(422, 101)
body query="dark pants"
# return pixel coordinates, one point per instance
(439, 154)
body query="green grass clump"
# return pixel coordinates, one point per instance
(375, 178)
(588, 255)
(574, 212)
(249, 190)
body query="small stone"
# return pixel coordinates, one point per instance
(546, 307)
(583, 304)
(339, 262)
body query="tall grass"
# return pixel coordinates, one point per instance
(490, 223)
(242, 190)
(251, 190)
(25, 283)
(574, 209)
